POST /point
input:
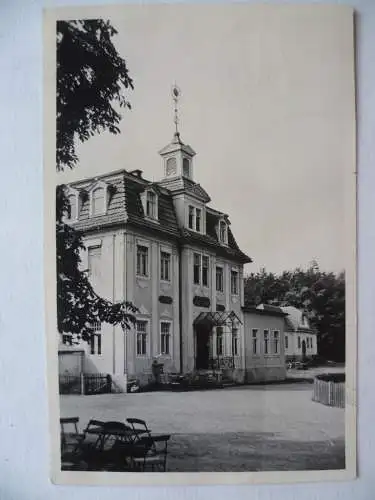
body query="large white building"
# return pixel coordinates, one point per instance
(162, 247)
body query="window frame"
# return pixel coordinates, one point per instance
(192, 218)
(237, 291)
(169, 334)
(94, 187)
(286, 341)
(171, 160)
(92, 246)
(201, 258)
(96, 340)
(141, 244)
(266, 340)
(276, 342)
(143, 334)
(254, 341)
(223, 237)
(221, 267)
(162, 268)
(186, 161)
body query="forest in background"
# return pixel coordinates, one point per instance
(319, 293)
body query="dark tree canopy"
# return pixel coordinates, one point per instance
(320, 294)
(91, 78)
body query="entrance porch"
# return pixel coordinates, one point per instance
(217, 342)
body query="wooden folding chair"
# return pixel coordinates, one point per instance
(155, 453)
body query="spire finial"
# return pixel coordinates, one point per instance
(176, 93)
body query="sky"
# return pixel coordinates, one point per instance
(267, 103)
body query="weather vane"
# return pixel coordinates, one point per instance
(176, 94)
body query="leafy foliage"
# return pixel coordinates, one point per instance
(320, 294)
(91, 77)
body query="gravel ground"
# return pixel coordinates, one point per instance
(275, 427)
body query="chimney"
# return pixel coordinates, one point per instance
(136, 173)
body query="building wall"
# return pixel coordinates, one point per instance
(262, 366)
(294, 349)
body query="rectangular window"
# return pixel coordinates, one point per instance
(96, 339)
(223, 232)
(165, 337)
(234, 282)
(234, 341)
(205, 269)
(191, 217)
(141, 332)
(219, 341)
(165, 266)
(299, 342)
(266, 340)
(286, 341)
(219, 279)
(198, 219)
(307, 342)
(276, 342)
(255, 340)
(142, 260)
(93, 261)
(197, 268)
(151, 204)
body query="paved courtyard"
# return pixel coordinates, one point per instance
(272, 427)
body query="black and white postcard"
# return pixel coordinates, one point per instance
(200, 243)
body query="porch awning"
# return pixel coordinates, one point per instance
(217, 318)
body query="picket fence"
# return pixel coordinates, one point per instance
(329, 392)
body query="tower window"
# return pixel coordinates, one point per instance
(186, 167)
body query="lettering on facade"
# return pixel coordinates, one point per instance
(165, 299)
(201, 301)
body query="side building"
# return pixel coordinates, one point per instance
(299, 338)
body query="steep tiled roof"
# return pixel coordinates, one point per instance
(183, 184)
(125, 208)
(263, 312)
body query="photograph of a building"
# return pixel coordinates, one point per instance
(201, 290)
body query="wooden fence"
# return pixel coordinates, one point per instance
(330, 390)
(86, 383)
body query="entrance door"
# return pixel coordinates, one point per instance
(203, 347)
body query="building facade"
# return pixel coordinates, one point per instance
(264, 344)
(161, 246)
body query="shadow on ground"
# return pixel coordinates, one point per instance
(251, 452)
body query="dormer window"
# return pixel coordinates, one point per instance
(186, 167)
(150, 204)
(171, 167)
(98, 199)
(73, 208)
(223, 232)
(195, 219)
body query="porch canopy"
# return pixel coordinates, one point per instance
(217, 318)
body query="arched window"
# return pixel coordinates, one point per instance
(186, 167)
(98, 199)
(171, 166)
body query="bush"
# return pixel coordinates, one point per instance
(332, 377)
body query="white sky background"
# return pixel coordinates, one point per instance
(267, 104)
